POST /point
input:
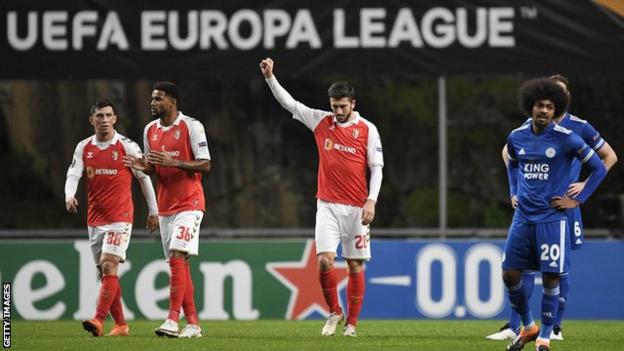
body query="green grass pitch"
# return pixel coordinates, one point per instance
(305, 335)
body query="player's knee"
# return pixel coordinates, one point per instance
(177, 254)
(108, 267)
(511, 278)
(550, 280)
(355, 266)
(325, 262)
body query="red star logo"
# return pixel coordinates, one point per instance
(301, 277)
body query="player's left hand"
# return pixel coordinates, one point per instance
(368, 212)
(563, 202)
(152, 223)
(575, 188)
(163, 159)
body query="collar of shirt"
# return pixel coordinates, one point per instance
(354, 121)
(175, 123)
(95, 142)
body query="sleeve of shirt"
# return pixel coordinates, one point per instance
(374, 185)
(512, 168)
(374, 151)
(308, 116)
(198, 140)
(148, 192)
(511, 151)
(146, 147)
(74, 172)
(591, 137)
(580, 150)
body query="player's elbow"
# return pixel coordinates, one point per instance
(206, 166)
(614, 158)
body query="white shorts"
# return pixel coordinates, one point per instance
(112, 239)
(180, 232)
(336, 223)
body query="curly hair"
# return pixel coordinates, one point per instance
(170, 89)
(542, 89)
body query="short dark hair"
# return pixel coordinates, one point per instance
(542, 89)
(561, 78)
(341, 89)
(170, 89)
(99, 104)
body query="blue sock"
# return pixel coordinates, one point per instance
(550, 305)
(519, 303)
(528, 282)
(514, 321)
(564, 287)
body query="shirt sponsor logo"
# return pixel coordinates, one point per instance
(536, 171)
(330, 145)
(105, 171)
(172, 153)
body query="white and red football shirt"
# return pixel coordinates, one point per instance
(109, 182)
(178, 190)
(346, 150)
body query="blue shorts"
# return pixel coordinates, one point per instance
(575, 223)
(543, 247)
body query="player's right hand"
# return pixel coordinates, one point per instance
(152, 223)
(514, 202)
(266, 66)
(140, 164)
(71, 205)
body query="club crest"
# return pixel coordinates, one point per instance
(550, 152)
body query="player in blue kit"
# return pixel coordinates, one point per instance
(575, 224)
(541, 155)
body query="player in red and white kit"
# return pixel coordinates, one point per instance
(177, 152)
(348, 147)
(110, 209)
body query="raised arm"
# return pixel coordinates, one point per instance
(280, 94)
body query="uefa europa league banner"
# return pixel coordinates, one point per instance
(278, 279)
(205, 39)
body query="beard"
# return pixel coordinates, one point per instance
(155, 114)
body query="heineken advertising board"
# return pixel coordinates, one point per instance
(249, 280)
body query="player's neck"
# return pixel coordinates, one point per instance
(350, 119)
(104, 137)
(538, 129)
(169, 119)
(559, 119)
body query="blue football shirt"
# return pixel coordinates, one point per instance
(544, 167)
(583, 129)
